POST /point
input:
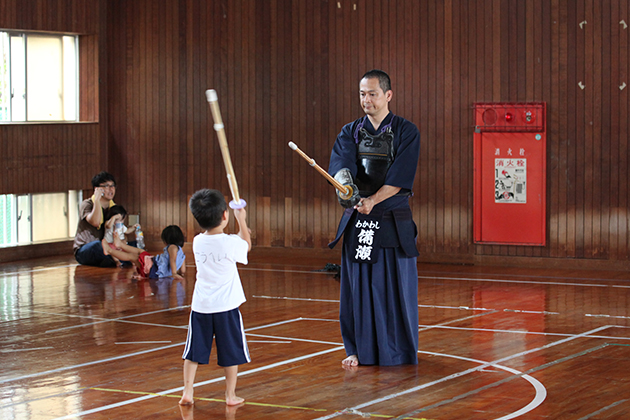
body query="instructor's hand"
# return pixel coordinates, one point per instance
(365, 206)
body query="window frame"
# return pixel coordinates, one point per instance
(79, 78)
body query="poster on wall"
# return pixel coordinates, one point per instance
(510, 180)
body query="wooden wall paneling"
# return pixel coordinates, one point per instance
(261, 42)
(331, 113)
(527, 78)
(292, 103)
(609, 20)
(173, 77)
(231, 91)
(202, 60)
(310, 116)
(556, 142)
(288, 222)
(587, 33)
(253, 129)
(453, 125)
(232, 39)
(326, 134)
(436, 127)
(288, 70)
(186, 116)
(464, 133)
(314, 68)
(264, 227)
(605, 181)
(286, 157)
(445, 186)
(275, 167)
(168, 156)
(576, 102)
(299, 33)
(153, 134)
(624, 150)
(497, 49)
(568, 125)
(599, 205)
(179, 116)
(429, 128)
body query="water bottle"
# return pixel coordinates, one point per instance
(139, 237)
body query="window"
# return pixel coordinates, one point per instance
(37, 218)
(38, 77)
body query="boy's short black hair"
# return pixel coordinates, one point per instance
(102, 177)
(208, 206)
(173, 235)
(383, 79)
(114, 210)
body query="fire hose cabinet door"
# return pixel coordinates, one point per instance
(510, 173)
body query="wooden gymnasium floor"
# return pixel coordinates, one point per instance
(495, 343)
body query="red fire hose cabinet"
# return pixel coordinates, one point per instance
(510, 173)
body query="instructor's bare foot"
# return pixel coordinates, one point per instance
(350, 361)
(234, 400)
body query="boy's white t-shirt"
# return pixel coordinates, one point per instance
(218, 287)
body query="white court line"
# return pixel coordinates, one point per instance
(92, 363)
(299, 299)
(102, 320)
(495, 363)
(96, 362)
(428, 327)
(285, 271)
(305, 340)
(172, 390)
(31, 349)
(605, 337)
(143, 342)
(607, 316)
(523, 282)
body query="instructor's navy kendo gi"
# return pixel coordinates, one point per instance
(379, 278)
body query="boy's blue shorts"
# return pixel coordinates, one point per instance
(227, 328)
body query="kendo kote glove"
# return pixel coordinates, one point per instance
(352, 198)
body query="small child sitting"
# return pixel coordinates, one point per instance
(168, 264)
(115, 227)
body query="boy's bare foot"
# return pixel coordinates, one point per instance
(105, 247)
(350, 361)
(186, 400)
(234, 400)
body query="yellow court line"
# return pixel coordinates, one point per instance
(246, 402)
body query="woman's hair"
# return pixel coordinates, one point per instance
(173, 235)
(114, 210)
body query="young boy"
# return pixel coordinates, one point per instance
(218, 294)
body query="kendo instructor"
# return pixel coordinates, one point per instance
(377, 156)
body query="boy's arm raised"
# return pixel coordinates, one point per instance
(243, 230)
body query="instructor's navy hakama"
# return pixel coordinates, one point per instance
(378, 310)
